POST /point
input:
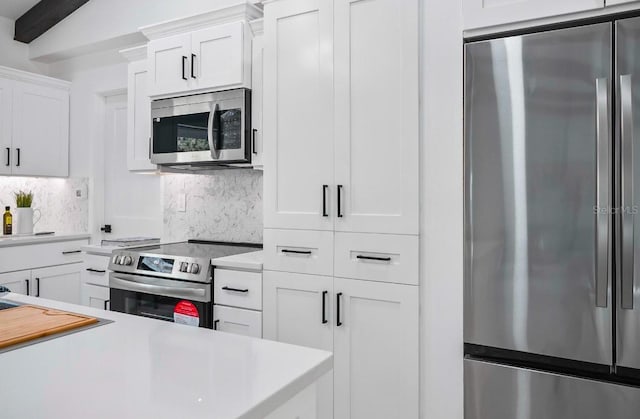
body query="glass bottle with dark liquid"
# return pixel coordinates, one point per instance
(7, 222)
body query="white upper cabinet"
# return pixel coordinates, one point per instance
(138, 111)
(217, 56)
(376, 115)
(298, 117)
(169, 64)
(6, 101)
(40, 130)
(485, 13)
(201, 53)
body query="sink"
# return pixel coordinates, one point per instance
(5, 305)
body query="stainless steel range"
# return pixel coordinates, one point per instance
(171, 282)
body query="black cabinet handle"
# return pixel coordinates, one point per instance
(106, 302)
(385, 259)
(253, 141)
(338, 321)
(28, 286)
(297, 252)
(215, 324)
(71, 252)
(98, 271)
(37, 287)
(184, 64)
(324, 200)
(8, 156)
(324, 307)
(234, 289)
(339, 201)
(193, 66)
(18, 159)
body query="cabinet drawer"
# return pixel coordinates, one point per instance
(94, 270)
(237, 288)
(299, 251)
(377, 257)
(95, 296)
(238, 321)
(40, 255)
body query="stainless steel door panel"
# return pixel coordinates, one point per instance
(627, 132)
(537, 158)
(500, 392)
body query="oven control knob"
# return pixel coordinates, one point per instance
(127, 260)
(184, 267)
(116, 260)
(195, 268)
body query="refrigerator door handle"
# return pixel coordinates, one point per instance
(602, 193)
(626, 136)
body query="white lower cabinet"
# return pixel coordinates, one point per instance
(293, 313)
(376, 358)
(60, 283)
(238, 321)
(18, 282)
(372, 329)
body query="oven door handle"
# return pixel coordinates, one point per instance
(214, 130)
(130, 283)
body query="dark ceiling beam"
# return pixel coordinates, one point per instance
(42, 17)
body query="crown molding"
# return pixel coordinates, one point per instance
(25, 76)
(243, 11)
(135, 54)
(257, 26)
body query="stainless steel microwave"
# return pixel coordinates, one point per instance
(204, 130)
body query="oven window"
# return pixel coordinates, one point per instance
(179, 134)
(156, 306)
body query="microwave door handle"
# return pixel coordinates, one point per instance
(214, 131)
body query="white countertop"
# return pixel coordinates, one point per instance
(96, 249)
(144, 368)
(252, 261)
(7, 241)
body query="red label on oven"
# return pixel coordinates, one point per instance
(186, 313)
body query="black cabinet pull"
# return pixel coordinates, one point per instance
(18, 159)
(28, 287)
(234, 289)
(339, 201)
(193, 66)
(98, 271)
(184, 64)
(253, 141)
(324, 200)
(297, 252)
(71, 252)
(338, 321)
(324, 307)
(385, 259)
(8, 156)
(37, 287)
(215, 324)
(106, 302)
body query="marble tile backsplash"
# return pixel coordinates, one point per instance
(62, 211)
(224, 205)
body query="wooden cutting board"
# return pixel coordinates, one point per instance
(24, 323)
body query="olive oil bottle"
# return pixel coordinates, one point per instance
(7, 222)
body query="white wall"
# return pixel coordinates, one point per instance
(101, 24)
(16, 54)
(441, 243)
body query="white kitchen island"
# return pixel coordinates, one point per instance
(143, 368)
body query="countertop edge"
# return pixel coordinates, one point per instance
(252, 261)
(31, 240)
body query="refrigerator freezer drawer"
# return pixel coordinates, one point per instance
(502, 392)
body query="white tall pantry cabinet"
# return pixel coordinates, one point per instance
(341, 196)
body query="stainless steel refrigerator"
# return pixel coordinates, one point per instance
(552, 224)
